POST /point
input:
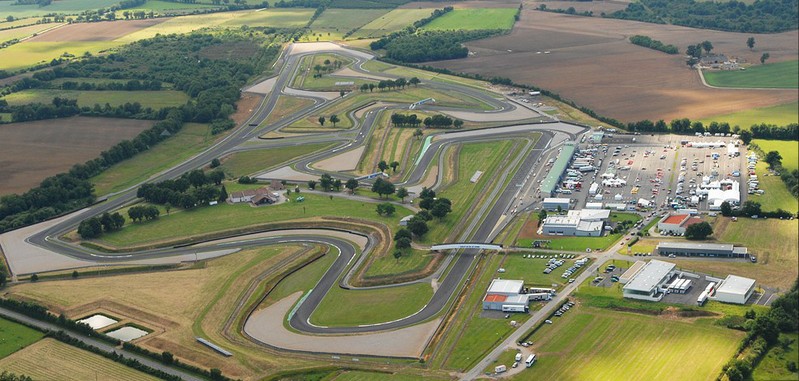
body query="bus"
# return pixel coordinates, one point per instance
(530, 360)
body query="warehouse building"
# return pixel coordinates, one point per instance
(506, 295)
(581, 223)
(551, 204)
(565, 156)
(735, 289)
(690, 249)
(677, 223)
(650, 282)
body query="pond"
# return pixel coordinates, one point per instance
(127, 333)
(97, 321)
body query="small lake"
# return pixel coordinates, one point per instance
(97, 321)
(127, 333)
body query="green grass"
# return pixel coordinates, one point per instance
(248, 162)
(362, 375)
(789, 150)
(334, 23)
(191, 139)
(411, 261)
(574, 243)
(25, 54)
(275, 18)
(589, 344)
(182, 224)
(780, 115)
(777, 195)
(391, 22)
(14, 336)
(474, 19)
(159, 6)
(153, 99)
(5, 116)
(71, 7)
(303, 279)
(774, 364)
(531, 270)
(780, 75)
(353, 307)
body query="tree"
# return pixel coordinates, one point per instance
(402, 192)
(383, 187)
(402, 233)
(414, 81)
(317, 69)
(773, 158)
(427, 193)
(403, 243)
(334, 119)
(726, 209)
(441, 208)
(457, 123)
(750, 42)
(215, 163)
(382, 165)
(418, 133)
(427, 203)
(418, 227)
(341, 93)
(322, 120)
(337, 184)
(75, 274)
(90, 228)
(326, 182)
(424, 215)
(698, 231)
(707, 46)
(167, 358)
(216, 374)
(168, 206)
(750, 208)
(394, 165)
(34, 277)
(542, 215)
(764, 57)
(312, 184)
(746, 136)
(397, 255)
(216, 176)
(222, 196)
(385, 209)
(351, 184)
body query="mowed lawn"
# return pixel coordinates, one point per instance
(391, 22)
(780, 75)
(153, 99)
(789, 150)
(780, 115)
(248, 162)
(15, 336)
(67, 363)
(474, 19)
(596, 344)
(354, 307)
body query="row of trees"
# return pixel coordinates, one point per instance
(390, 84)
(789, 177)
(435, 121)
(685, 126)
(145, 212)
(333, 119)
(648, 42)
(95, 226)
(751, 208)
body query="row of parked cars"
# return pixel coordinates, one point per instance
(565, 307)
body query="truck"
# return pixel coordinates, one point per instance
(530, 360)
(702, 298)
(513, 308)
(500, 369)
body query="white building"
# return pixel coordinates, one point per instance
(650, 282)
(582, 223)
(677, 223)
(506, 287)
(552, 203)
(506, 295)
(735, 289)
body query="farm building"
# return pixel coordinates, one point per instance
(677, 223)
(258, 196)
(650, 282)
(506, 295)
(690, 249)
(582, 223)
(565, 156)
(552, 204)
(735, 289)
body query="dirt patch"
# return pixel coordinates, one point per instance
(245, 107)
(592, 62)
(96, 31)
(33, 151)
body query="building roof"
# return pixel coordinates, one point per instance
(590, 226)
(407, 218)
(495, 298)
(551, 181)
(695, 246)
(633, 270)
(594, 214)
(650, 275)
(736, 285)
(556, 200)
(519, 299)
(691, 221)
(675, 219)
(505, 286)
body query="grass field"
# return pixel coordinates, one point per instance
(353, 307)
(190, 140)
(780, 115)
(159, 6)
(248, 162)
(274, 18)
(391, 22)
(531, 270)
(789, 150)
(72, 7)
(777, 195)
(67, 363)
(286, 105)
(153, 99)
(17, 33)
(588, 344)
(182, 224)
(14, 336)
(334, 23)
(359, 375)
(474, 19)
(28, 53)
(528, 234)
(780, 75)
(774, 364)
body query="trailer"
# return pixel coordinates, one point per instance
(702, 298)
(711, 288)
(513, 308)
(530, 361)
(685, 286)
(541, 289)
(587, 168)
(539, 296)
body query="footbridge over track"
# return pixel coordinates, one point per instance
(466, 245)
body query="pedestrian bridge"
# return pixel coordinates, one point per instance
(466, 245)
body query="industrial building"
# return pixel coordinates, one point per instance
(565, 156)
(506, 295)
(677, 223)
(690, 249)
(582, 223)
(735, 289)
(551, 204)
(649, 282)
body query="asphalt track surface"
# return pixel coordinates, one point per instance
(249, 132)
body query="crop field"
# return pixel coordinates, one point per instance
(274, 18)
(391, 22)
(96, 31)
(26, 31)
(5, 24)
(780, 115)
(586, 51)
(586, 343)
(789, 150)
(778, 75)
(72, 7)
(67, 363)
(153, 99)
(29, 53)
(353, 307)
(159, 6)
(183, 224)
(474, 19)
(33, 151)
(15, 337)
(249, 162)
(334, 23)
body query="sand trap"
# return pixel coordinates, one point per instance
(518, 113)
(346, 161)
(286, 173)
(312, 94)
(310, 47)
(347, 72)
(263, 87)
(267, 327)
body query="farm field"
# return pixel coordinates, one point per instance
(160, 7)
(353, 307)
(67, 363)
(474, 19)
(789, 150)
(183, 224)
(780, 115)
(15, 337)
(333, 24)
(35, 150)
(391, 22)
(778, 75)
(152, 99)
(249, 162)
(72, 7)
(584, 51)
(95, 31)
(26, 31)
(582, 344)
(29, 53)
(274, 18)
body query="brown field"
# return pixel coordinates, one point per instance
(33, 151)
(592, 63)
(245, 106)
(96, 31)
(582, 6)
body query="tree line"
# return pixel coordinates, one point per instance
(390, 84)
(436, 14)
(422, 46)
(435, 121)
(648, 42)
(432, 207)
(774, 160)
(192, 189)
(685, 126)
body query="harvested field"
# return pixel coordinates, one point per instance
(587, 54)
(19, 33)
(35, 150)
(462, 4)
(393, 21)
(96, 31)
(583, 6)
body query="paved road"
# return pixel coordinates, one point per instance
(100, 344)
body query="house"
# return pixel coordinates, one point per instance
(260, 196)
